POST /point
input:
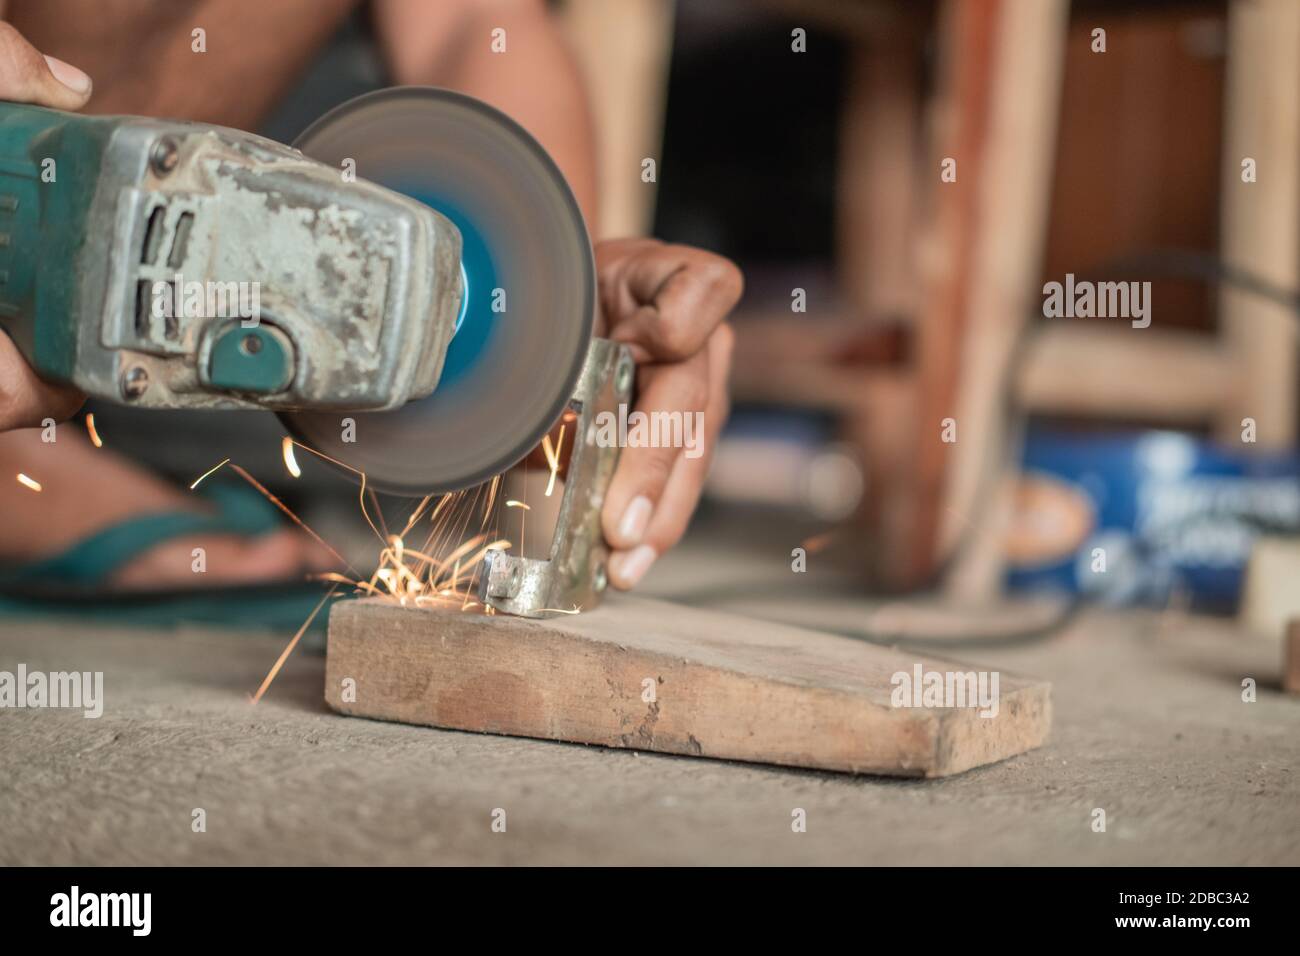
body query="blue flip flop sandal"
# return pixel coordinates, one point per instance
(73, 583)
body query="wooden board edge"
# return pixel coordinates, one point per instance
(934, 743)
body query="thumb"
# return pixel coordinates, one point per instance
(27, 76)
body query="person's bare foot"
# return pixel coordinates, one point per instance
(85, 489)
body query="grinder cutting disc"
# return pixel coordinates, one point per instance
(530, 288)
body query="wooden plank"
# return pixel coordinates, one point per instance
(1168, 376)
(648, 675)
(1261, 233)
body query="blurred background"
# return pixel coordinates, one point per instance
(904, 415)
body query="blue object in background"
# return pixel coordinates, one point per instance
(1167, 508)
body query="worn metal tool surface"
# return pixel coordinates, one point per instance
(412, 288)
(179, 265)
(421, 261)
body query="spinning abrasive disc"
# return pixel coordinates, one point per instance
(508, 374)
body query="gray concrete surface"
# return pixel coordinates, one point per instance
(1149, 725)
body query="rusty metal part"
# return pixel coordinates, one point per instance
(363, 284)
(574, 576)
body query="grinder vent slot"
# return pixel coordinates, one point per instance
(143, 301)
(153, 236)
(144, 317)
(181, 242)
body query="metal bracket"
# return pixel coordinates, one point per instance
(574, 576)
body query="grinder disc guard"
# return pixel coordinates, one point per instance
(508, 374)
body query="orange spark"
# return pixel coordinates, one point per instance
(284, 655)
(94, 434)
(331, 576)
(818, 541)
(460, 552)
(224, 461)
(361, 495)
(415, 515)
(552, 457)
(512, 503)
(285, 509)
(31, 483)
(492, 499)
(291, 463)
(379, 512)
(405, 575)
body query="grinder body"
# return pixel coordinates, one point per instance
(181, 265)
(416, 263)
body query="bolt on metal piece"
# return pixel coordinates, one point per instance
(135, 382)
(166, 154)
(623, 381)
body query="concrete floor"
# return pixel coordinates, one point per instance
(1149, 725)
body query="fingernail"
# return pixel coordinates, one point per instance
(67, 74)
(631, 567)
(635, 518)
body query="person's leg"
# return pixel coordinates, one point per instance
(143, 60)
(144, 55)
(84, 489)
(535, 80)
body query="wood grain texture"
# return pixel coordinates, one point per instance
(724, 686)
